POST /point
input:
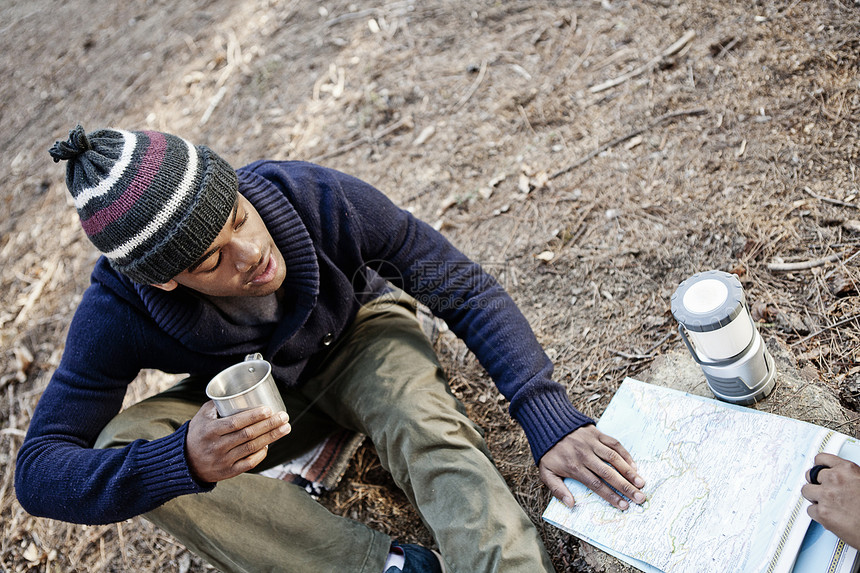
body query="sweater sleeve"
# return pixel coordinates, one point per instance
(456, 289)
(58, 473)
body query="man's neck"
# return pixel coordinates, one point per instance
(250, 310)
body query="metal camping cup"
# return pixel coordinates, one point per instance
(719, 332)
(245, 385)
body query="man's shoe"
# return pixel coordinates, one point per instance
(418, 559)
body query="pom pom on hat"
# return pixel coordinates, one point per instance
(151, 202)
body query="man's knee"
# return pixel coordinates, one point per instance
(147, 420)
(423, 426)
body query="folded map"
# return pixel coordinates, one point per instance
(723, 488)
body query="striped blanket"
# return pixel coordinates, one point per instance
(321, 468)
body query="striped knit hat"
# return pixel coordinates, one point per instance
(151, 202)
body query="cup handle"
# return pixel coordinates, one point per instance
(254, 356)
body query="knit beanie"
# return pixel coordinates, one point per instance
(151, 202)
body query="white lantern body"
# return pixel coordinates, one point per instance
(715, 323)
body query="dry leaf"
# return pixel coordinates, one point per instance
(23, 362)
(540, 180)
(487, 192)
(633, 142)
(497, 179)
(816, 353)
(762, 312)
(841, 284)
(545, 256)
(739, 270)
(524, 185)
(425, 134)
(446, 204)
(32, 553)
(503, 209)
(184, 562)
(852, 225)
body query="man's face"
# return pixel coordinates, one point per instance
(242, 261)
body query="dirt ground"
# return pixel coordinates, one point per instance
(591, 154)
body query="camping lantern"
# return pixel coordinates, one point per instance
(715, 324)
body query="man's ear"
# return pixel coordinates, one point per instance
(168, 286)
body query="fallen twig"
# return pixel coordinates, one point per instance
(394, 8)
(846, 423)
(829, 200)
(670, 51)
(727, 48)
(390, 128)
(472, 89)
(13, 432)
(826, 328)
(662, 341)
(580, 229)
(36, 291)
(361, 14)
(234, 60)
(828, 275)
(632, 356)
(803, 265)
(213, 103)
(623, 138)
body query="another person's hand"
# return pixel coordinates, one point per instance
(836, 497)
(221, 448)
(595, 460)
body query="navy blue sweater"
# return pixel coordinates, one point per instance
(330, 228)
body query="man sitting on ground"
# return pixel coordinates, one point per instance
(203, 265)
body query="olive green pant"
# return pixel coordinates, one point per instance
(382, 379)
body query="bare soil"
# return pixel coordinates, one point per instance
(591, 154)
